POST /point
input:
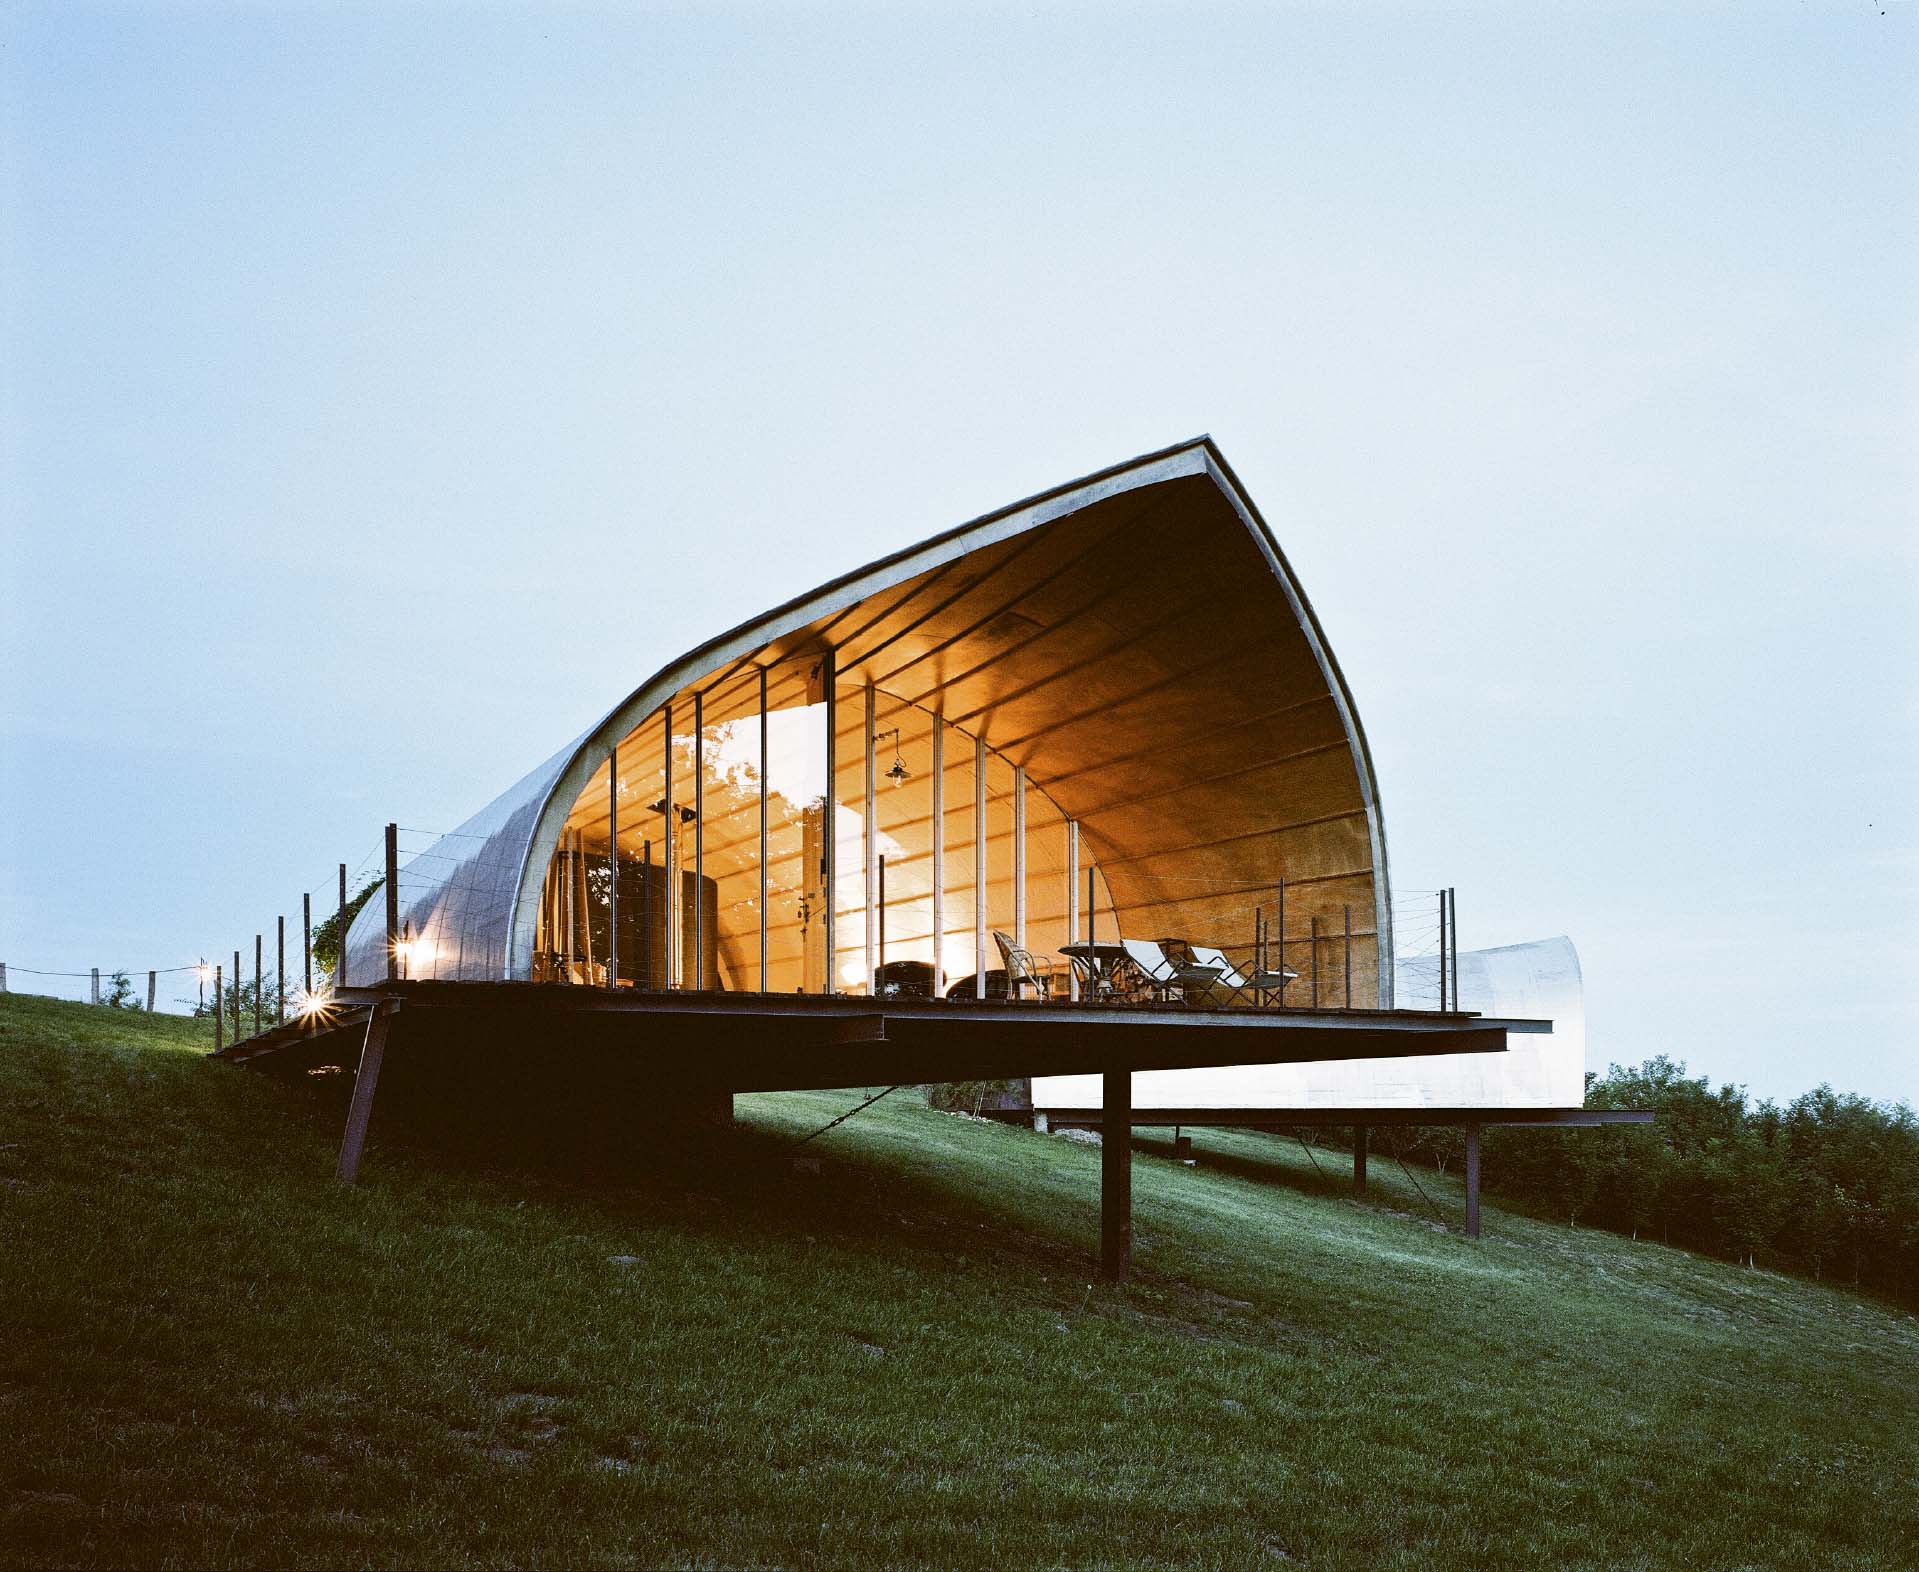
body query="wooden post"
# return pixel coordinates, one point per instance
(392, 901)
(153, 981)
(96, 985)
(1360, 1134)
(306, 943)
(1116, 1177)
(1472, 1181)
(339, 937)
(219, 1014)
(258, 950)
(365, 1081)
(3, 976)
(238, 988)
(280, 1004)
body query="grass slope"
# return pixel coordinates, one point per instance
(214, 1356)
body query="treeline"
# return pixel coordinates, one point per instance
(1827, 1185)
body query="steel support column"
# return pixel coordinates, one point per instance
(366, 1081)
(1360, 1134)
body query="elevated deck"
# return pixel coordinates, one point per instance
(744, 1042)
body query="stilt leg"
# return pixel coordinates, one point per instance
(1116, 1178)
(365, 1081)
(1360, 1133)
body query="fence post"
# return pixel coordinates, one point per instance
(257, 951)
(392, 902)
(280, 1003)
(339, 954)
(3, 976)
(306, 945)
(153, 979)
(96, 985)
(219, 1016)
(238, 987)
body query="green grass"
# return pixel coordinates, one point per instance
(214, 1356)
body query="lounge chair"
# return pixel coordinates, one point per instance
(1169, 971)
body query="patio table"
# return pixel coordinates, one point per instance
(1098, 962)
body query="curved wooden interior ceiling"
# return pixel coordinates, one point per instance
(1141, 660)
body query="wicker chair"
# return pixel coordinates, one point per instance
(1024, 969)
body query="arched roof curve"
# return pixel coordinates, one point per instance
(1161, 676)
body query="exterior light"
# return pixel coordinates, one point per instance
(897, 772)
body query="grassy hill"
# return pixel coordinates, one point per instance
(214, 1356)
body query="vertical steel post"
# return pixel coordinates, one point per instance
(939, 855)
(1472, 1181)
(699, 839)
(339, 938)
(1360, 1135)
(586, 906)
(882, 914)
(1282, 944)
(979, 863)
(1072, 899)
(280, 1004)
(219, 1011)
(648, 978)
(239, 988)
(763, 841)
(1116, 1176)
(1442, 950)
(392, 901)
(613, 866)
(829, 831)
(1452, 927)
(569, 889)
(258, 944)
(306, 943)
(1348, 957)
(1019, 858)
(870, 839)
(670, 865)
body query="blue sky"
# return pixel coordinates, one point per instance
(384, 392)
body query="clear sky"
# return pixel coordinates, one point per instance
(384, 393)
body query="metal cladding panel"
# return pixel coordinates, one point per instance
(1538, 981)
(457, 895)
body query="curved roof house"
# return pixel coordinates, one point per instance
(1107, 709)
